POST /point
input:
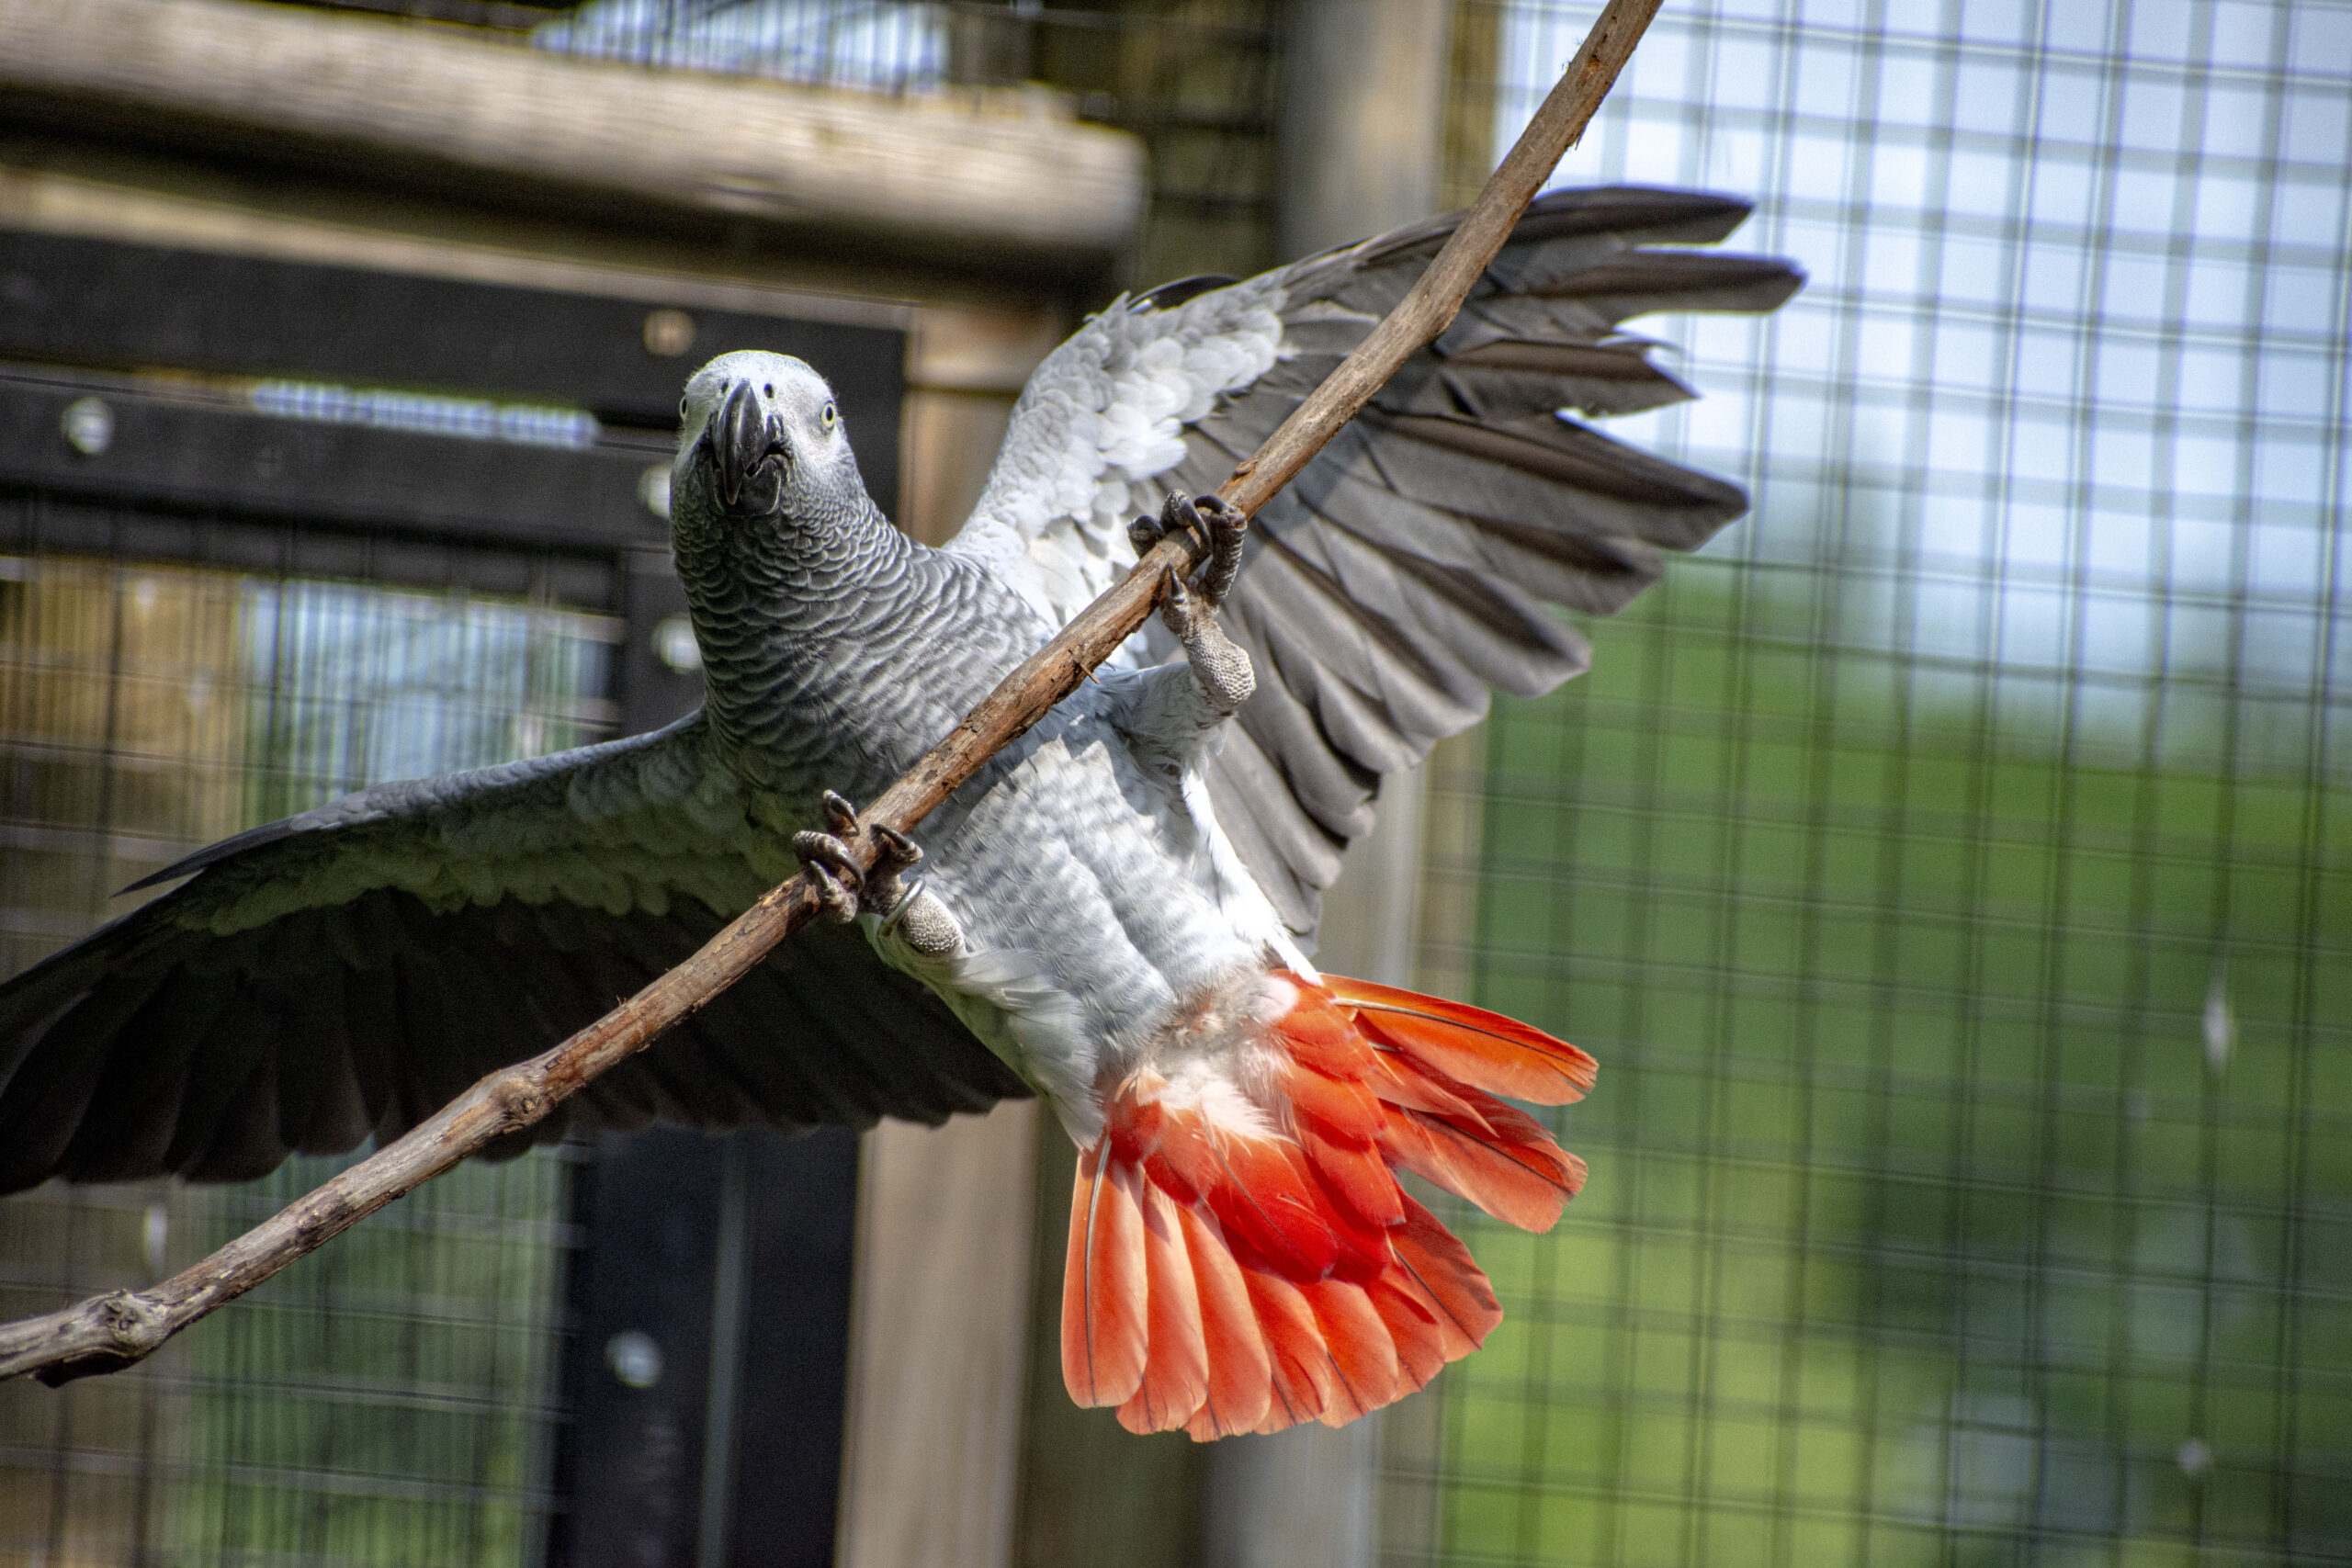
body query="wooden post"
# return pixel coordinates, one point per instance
(1363, 132)
(1362, 126)
(939, 1342)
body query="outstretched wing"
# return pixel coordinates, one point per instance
(1409, 570)
(345, 972)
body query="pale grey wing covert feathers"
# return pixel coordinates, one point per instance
(344, 974)
(1411, 567)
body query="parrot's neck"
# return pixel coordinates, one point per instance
(824, 648)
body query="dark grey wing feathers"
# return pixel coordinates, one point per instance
(159, 1045)
(1412, 566)
(1168, 296)
(1410, 571)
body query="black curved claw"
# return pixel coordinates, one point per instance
(895, 851)
(841, 817)
(1178, 608)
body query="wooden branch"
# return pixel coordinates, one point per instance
(1434, 300)
(433, 103)
(108, 1332)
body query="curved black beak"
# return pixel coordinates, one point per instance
(737, 436)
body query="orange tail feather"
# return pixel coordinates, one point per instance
(1176, 1377)
(1244, 1267)
(1240, 1374)
(1483, 1049)
(1105, 1287)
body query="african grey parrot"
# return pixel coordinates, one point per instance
(1117, 914)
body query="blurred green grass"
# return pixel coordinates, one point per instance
(1921, 1224)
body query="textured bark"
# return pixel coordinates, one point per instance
(109, 1332)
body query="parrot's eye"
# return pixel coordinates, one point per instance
(682, 408)
(826, 416)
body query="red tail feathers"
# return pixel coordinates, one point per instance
(1241, 1256)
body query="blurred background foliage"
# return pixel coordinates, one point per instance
(1949, 866)
(1968, 1161)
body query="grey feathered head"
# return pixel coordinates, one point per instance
(760, 438)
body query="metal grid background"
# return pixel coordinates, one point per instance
(1949, 866)
(393, 1399)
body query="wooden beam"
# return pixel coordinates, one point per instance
(1001, 173)
(1311, 1497)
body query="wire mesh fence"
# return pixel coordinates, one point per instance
(393, 1399)
(1949, 866)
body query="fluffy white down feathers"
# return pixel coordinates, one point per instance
(1100, 420)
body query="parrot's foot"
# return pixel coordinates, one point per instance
(1226, 527)
(825, 856)
(909, 909)
(1222, 668)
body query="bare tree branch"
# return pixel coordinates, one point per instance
(106, 1333)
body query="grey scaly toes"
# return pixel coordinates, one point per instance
(825, 856)
(1226, 527)
(908, 909)
(1222, 668)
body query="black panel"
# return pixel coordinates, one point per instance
(631, 1461)
(802, 1214)
(671, 1254)
(731, 1256)
(652, 693)
(38, 522)
(98, 302)
(173, 454)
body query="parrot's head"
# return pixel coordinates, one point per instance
(760, 440)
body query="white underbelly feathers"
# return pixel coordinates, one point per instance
(1092, 904)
